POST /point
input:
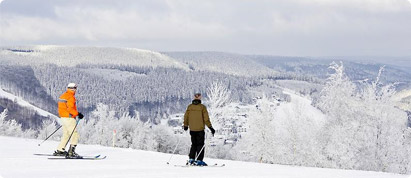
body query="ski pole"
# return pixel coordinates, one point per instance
(200, 151)
(202, 147)
(78, 120)
(50, 135)
(178, 142)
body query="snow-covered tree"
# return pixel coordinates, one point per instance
(3, 122)
(336, 92)
(9, 127)
(131, 132)
(99, 126)
(218, 97)
(218, 94)
(298, 126)
(364, 129)
(385, 125)
(261, 138)
(49, 126)
(3, 115)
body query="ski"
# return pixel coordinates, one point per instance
(45, 154)
(212, 165)
(83, 158)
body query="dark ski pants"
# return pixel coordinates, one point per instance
(197, 143)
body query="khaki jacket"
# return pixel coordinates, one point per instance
(196, 116)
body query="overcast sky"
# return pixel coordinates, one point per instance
(276, 27)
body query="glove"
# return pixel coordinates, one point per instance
(212, 131)
(185, 128)
(80, 116)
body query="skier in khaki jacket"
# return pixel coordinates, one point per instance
(195, 118)
(68, 112)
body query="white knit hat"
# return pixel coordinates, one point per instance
(72, 85)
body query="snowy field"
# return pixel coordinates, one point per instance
(17, 160)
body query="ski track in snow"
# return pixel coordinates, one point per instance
(17, 161)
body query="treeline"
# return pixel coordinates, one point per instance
(27, 118)
(156, 92)
(158, 85)
(21, 81)
(98, 128)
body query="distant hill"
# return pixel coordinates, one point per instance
(228, 63)
(71, 56)
(355, 69)
(126, 79)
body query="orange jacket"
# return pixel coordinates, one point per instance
(67, 105)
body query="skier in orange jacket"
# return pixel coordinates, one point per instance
(68, 112)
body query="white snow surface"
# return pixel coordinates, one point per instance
(228, 63)
(17, 160)
(72, 56)
(22, 102)
(403, 99)
(309, 110)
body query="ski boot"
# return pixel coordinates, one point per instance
(191, 162)
(72, 154)
(201, 163)
(60, 153)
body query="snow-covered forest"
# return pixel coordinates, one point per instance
(339, 117)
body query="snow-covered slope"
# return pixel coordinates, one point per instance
(17, 160)
(227, 63)
(23, 103)
(403, 99)
(305, 105)
(72, 56)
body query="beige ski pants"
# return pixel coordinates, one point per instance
(68, 126)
